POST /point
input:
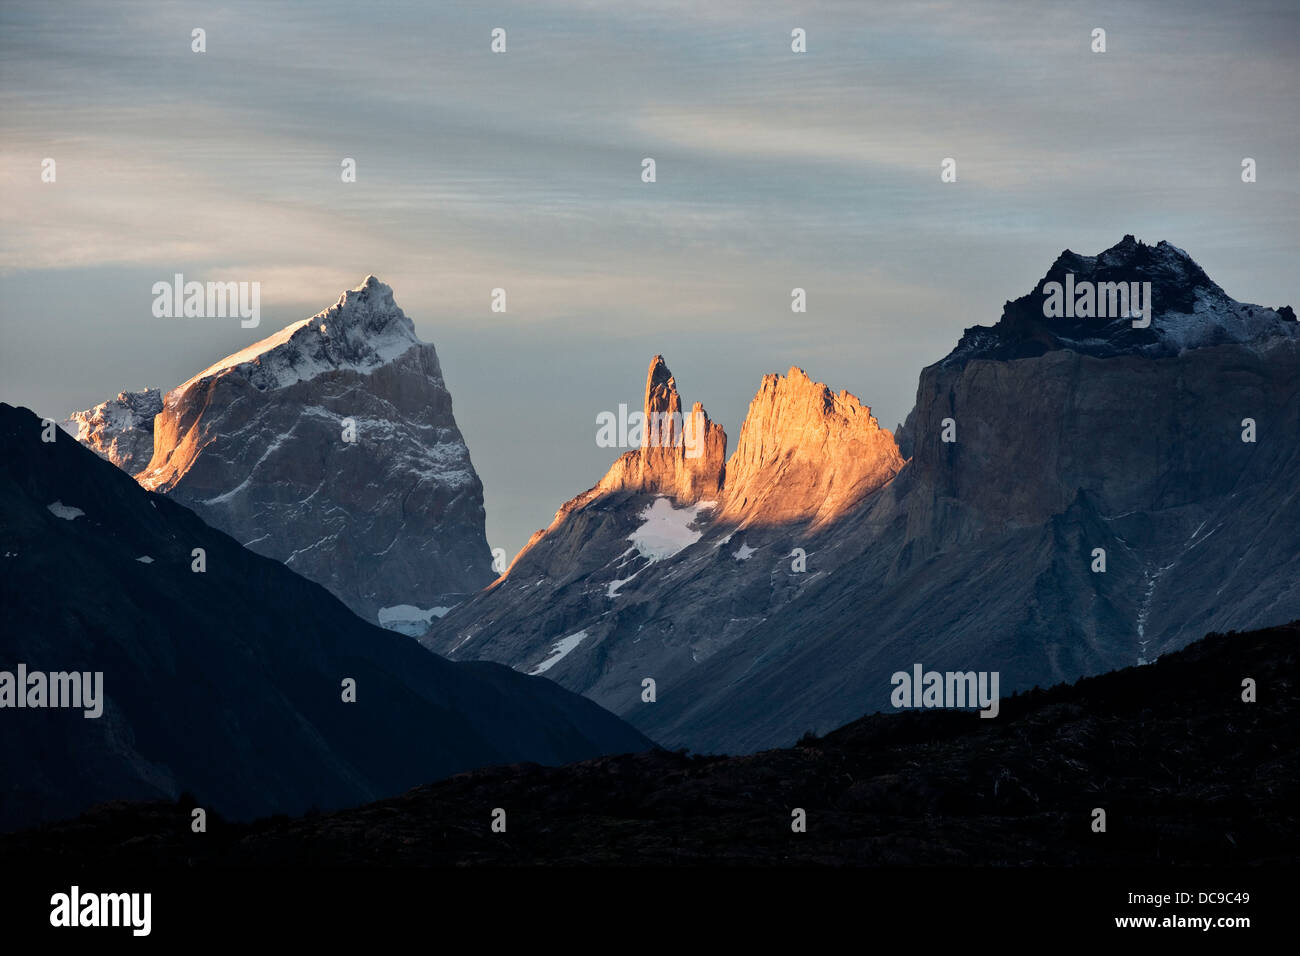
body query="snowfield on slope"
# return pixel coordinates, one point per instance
(559, 650)
(667, 530)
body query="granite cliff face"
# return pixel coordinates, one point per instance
(805, 454)
(681, 455)
(1037, 447)
(1139, 420)
(331, 446)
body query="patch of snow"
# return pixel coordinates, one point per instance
(745, 553)
(310, 547)
(60, 510)
(559, 650)
(145, 559)
(1150, 578)
(129, 410)
(251, 353)
(1218, 319)
(408, 619)
(227, 496)
(667, 530)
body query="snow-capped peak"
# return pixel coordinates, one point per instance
(120, 429)
(128, 410)
(1185, 308)
(363, 330)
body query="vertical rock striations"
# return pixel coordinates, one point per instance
(805, 454)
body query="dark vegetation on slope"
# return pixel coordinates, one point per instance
(1187, 772)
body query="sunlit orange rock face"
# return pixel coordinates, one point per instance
(687, 470)
(805, 454)
(682, 456)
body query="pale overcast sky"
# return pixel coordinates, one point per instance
(522, 170)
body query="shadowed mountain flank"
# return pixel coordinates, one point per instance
(221, 672)
(1189, 775)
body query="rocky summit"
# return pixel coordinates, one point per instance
(805, 454)
(1070, 495)
(1175, 307)
(682, 455)
(330, 446)
(119, 430)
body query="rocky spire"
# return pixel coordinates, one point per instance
(682, 456)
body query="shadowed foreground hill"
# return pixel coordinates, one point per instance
(226, 682)
(1187, 772)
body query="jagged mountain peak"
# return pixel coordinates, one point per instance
(363, 330)
(1129, 299)
(660, 375)
(370, 305)
(331, 446)
(682, 457)
(1175, 276)
(805, 453)
(119, 430)
(681, 454)
(797, 384)
(661, 397)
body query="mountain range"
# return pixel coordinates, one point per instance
(1067, 497)
(1072, 493)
